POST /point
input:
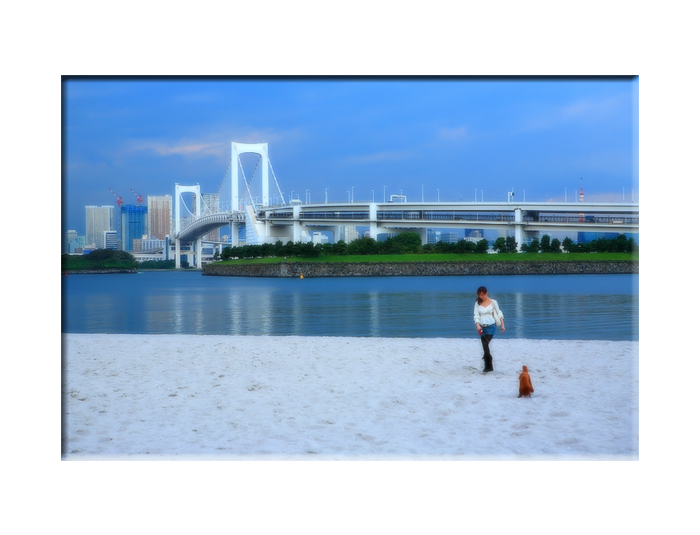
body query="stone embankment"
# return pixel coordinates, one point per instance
(408, 269)
(98, 271)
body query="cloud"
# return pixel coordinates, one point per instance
(184, 148)
(217, 145)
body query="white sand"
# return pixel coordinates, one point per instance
(160, 396)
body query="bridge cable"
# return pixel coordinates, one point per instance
(240, 165)
(276, 183)
(223, 180)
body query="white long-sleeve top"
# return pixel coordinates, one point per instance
(487, 315)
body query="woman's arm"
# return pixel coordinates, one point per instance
(499, 314)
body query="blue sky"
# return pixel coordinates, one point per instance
(537, 136)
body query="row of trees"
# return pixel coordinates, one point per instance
(410, 243)
(99, 259)
(620, 244)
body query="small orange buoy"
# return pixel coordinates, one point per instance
(301, 276)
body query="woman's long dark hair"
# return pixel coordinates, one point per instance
(482, 289)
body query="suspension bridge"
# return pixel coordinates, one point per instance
(266, 220)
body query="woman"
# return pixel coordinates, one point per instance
(486, 316)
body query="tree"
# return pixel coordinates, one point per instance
(545, 245)
(500, 244)
(463, 247)
(363, 246)
(556, 246)
(482, 246)
(534, 246)
(340, 248)
(568, 244)
(409, 242)
(511, 245)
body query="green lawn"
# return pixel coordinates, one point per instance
(513, 257)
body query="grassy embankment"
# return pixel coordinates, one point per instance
(504, 257)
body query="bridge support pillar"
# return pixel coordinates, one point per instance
(177, 253)
(373, 221)
(234, 234)
(423, 235)
(296, 225)
(518, 227)
(198, 253)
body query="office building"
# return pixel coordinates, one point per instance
(132, 225)
(98, 219)
(110, 240)
(70, 237)
(160, 215)
(347, 233)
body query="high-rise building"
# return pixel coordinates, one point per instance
(70, 237)
(98, 219)
(132, 225)
(160, 215)
(110, 240)
(347, 233)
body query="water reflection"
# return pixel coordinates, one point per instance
(558, 307)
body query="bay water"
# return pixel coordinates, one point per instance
(557, 307)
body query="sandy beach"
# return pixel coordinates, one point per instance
(242, 397)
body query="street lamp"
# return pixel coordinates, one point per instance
(353, 194)
(326, 195)
(482, 195)
(438, 194)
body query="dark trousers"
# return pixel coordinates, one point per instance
(485, 339)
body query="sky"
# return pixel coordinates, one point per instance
(456, 138)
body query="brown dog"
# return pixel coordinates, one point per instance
(525, 383)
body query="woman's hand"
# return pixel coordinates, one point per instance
(503, 326)
(478, 328)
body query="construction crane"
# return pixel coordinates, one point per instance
(119, 199)
(139, 197)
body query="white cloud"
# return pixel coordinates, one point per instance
(187, 148)
(212, 144)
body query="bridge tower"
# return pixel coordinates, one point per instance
(197, 250)
(243, 148)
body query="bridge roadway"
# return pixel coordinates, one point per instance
(523, 220)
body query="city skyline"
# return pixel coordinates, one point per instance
(427, 138)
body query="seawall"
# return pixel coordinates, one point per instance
(97, 271)
(411, 269)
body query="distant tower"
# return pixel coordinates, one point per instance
(580, 195)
